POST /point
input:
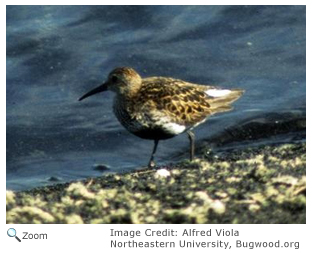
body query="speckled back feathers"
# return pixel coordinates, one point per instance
(182, 104)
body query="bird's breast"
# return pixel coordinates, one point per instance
(145, 124)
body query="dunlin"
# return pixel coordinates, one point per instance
(160, 108)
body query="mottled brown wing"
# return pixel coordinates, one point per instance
(176, 99)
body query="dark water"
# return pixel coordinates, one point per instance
(57, 53)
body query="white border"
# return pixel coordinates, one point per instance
(89, 238)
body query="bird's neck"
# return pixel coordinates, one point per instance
(124, 100)
(129, 95)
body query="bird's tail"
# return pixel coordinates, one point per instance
(221, 99)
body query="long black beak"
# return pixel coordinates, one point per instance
(98, 89)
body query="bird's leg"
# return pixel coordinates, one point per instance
(151, 162)
(192, 146)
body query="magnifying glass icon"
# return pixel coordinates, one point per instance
(12, 233)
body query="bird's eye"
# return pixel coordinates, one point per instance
(114, 79)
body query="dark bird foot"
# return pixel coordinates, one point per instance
(151, 165)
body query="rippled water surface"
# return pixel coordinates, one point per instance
(57, 53)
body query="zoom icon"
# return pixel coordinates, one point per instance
(12, 233)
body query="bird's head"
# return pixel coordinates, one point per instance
(123, 81)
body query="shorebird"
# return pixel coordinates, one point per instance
(159, 108)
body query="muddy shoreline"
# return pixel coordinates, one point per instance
(265, 184)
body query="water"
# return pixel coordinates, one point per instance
(57, 53)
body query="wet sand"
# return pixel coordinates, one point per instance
(264, 184)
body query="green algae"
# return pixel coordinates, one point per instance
(266, 184)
